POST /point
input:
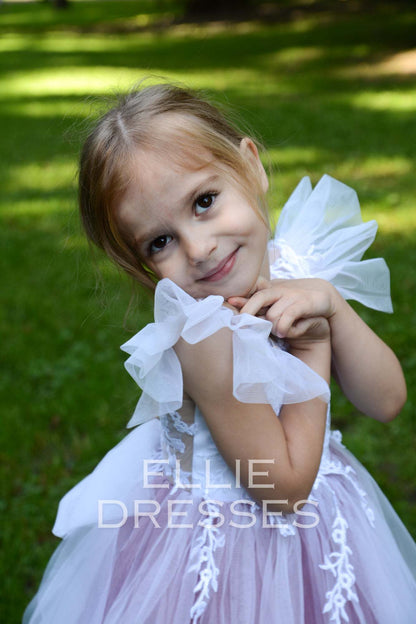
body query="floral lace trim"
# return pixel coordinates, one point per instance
(205, 546)
(171, 422)
(173, 444)
(329, 467)
(339, 564)
(211, 537)
(180, 425)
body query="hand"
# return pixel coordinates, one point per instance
(297, 309)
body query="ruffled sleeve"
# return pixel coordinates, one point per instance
(320, 233)
(262, 373)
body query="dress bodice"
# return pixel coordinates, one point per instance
(195, 463)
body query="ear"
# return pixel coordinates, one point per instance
(249, 150)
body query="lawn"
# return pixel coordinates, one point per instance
(328, 91)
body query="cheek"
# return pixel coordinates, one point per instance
(248, 221)
(159, 272)
(259, 230)
(167, 268)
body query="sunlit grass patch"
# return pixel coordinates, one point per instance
(41, 177)
(390, 100)
(72, 80)
(399, 64)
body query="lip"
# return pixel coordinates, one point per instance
(222, 269)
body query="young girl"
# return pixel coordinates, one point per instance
(232, 502)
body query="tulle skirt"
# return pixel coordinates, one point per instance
(178, 559)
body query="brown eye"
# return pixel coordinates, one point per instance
(159, 243)
(204, 202)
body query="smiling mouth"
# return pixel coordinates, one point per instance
(222, 269)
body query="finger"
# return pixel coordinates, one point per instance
(298, 309)
(314, 328)
(260, 284)
(275, 312)
(237, 302)
(300, 327)
(261, 299)
(292, 314)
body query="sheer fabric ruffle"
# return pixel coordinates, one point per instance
(260, 374)
(320, 233)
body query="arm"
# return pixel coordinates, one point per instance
(366, 369)
(252, 431)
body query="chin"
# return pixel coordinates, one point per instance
(245, 289)
(236, 291)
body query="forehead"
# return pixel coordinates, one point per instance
(174, 145)
(157, 172)
(178, 136)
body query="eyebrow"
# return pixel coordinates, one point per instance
(189, 198)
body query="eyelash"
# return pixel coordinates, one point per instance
(212, 194)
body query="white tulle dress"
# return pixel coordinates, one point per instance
(161, 532)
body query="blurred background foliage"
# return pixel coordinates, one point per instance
(328, 86)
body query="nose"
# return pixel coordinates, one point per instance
(198, 246)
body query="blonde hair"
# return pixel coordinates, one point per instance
(108, 152)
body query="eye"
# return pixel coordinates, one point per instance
(204, 202)
(159, 243)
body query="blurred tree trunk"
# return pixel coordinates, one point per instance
(60, 4)
(216, 7)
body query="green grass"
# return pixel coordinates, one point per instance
(328, 92)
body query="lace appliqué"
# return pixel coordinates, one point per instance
(334, 466)
(204, 549)
(339, 564)
(172, 443)
(211, 537)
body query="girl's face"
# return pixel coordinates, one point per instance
(193, 226)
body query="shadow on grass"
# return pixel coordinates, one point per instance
(222, 48)
(301, 95)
